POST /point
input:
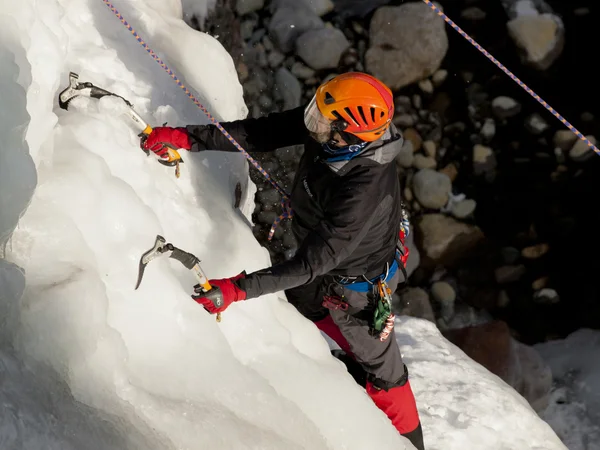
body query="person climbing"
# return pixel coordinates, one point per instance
(347, 220)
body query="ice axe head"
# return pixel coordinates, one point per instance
(87, 89)
(71, 92)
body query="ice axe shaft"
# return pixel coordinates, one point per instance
(77, 88)
(189, 261)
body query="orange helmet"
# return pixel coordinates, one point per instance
(360, 103)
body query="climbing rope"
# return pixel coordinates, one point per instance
(285, 201)
(511, 75)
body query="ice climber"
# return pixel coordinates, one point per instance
(347, 220)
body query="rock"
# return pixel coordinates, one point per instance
(243, 71)
(510, 255)
(535, 251)
(290, 20)
(503, 299)
(246, 29)
(473, 13)
(267, 217)
(414, 259)
(536, 124)
(439, 77)
(321, 7)
(407, 193)
(406, 155)
(269, 197)
(431, 188)
(581, 151)
(322, 48)
(488, 344)
(404, 120)
(268, 44)
(564, 139)
(540, 283)
(426, 86)
(444, 296)
(429, 148)
(546, 296)
(424, 162)
(520, 366)
(488, 130)
(289, 88)
(302, 71)
(540, 38)
(450, 171)
(444, 240)
(417, 101)
(403, 103)
(264, 101)
(247, 6)
(407, 43)
(413, 135)
(509, 274)
(275, 59)
(484, 159)
(464, 209)
(414, 302)
(505, 107)
(587, 116)
(534, 379)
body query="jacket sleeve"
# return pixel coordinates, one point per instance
(264, 134)
(348, 218)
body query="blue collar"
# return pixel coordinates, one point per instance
(343, 153)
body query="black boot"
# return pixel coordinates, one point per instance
(354, 368)
(416, 437)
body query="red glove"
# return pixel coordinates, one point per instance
(223, 293)
(163, 138)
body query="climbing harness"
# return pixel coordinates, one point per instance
(511, 75)
(285, 199)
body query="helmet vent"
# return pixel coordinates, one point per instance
(362, 114)
(328, 98)
(351, 115)
(372, 114)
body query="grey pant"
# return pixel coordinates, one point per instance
(381, 360)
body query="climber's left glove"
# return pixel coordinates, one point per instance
(223, 293)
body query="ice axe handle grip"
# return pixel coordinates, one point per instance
(192, 263)
(185, 258)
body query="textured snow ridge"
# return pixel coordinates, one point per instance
(88, 362)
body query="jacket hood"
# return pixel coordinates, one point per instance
(382, 151)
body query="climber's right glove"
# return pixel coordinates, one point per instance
(161, 139)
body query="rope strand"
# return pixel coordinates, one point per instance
(511, 75)
(287, 212)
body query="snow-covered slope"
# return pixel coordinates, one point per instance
(574, 410)
(87, 361)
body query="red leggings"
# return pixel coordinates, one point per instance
(398, 403)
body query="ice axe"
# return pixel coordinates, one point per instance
(191, 262)
(86, 89)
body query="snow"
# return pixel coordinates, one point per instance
(86, 361)
(574, 410)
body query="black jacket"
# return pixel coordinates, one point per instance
(346, 214)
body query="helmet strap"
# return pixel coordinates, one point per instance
(340, 126)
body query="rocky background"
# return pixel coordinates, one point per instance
(501, 194)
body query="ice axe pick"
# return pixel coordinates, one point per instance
(77, 88)
(189, 261)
